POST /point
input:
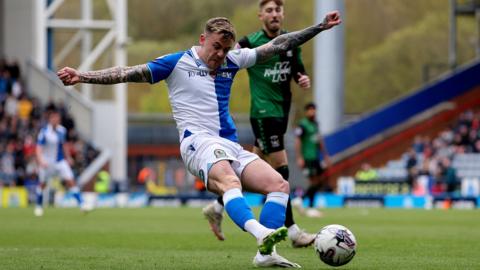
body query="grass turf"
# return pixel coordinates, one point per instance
(179, 238)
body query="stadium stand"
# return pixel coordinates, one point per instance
(21, 116)
(452, 155)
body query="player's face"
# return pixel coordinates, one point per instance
(271, 16)
(214, 49)
(54, 119)
(310, 113)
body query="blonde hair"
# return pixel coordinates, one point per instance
(222, 26)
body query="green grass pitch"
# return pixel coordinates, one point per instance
(179, 238)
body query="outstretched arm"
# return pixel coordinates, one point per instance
(139, 73)
(288, 41)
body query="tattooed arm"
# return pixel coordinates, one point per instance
(139, 73)
(288, 41)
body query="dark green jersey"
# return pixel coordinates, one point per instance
(307, 131)
(270, 81)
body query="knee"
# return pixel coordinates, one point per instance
(279, 184)
(284, 187)
(232, 182)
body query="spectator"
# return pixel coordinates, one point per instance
(7, 165)
(448, 173)
(366, 173)
(102, 183)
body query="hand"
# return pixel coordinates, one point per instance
(303, 81)
(301, 162)
(331, 19)
(68, 76)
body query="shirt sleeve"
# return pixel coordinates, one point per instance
(41, 140)
(298, 131)
(244, 58)
(163, 66)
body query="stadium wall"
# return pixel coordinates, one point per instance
(2, 36)
(17, 31)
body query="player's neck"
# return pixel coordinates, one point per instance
(201, 54)
(271, 34)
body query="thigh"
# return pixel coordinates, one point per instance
(46, 173)
(222, 177)
(259, 177)
(201, 152)
(269, 133)
(64, 170)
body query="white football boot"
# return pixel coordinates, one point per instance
(273, 260)
(215, 220)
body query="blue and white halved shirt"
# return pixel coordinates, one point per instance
(51, 140)
(200, 101)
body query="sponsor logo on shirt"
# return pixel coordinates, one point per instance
(201, 73)
(279, 73)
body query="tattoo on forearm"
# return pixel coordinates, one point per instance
(287, 41)
(139, 73)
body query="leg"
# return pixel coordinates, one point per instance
(38, 211)
(223, 181)
(300, 238)
(67, 175)
(272, 214)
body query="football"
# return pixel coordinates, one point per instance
(335, 245)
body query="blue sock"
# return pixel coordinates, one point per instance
(39, 193)
(273, 212)
(76, 194)
(236, 207)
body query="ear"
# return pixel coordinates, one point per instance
(201, 40)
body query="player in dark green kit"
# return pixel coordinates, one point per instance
(310, 150)
(270, 106)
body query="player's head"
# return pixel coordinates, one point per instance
(310, 110)
(54, 117)
(271, 15)
(217, 39)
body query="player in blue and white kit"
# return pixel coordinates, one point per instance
(199, 82)
(53, 159)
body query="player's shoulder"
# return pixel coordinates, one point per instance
(172, 56)
(256, 37)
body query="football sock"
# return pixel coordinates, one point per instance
(256, 229)
(39, 193)
(217, 207)
(220, 200)
(76, 194)
(293, 231)
(237, 207)
(273, 212)
(310, 194)
(283, 170)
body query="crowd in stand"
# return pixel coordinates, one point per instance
(433, 158)
(21, 117)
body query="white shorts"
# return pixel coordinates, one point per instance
(200, 151)
(61, 169)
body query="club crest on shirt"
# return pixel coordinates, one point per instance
(219, 153)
